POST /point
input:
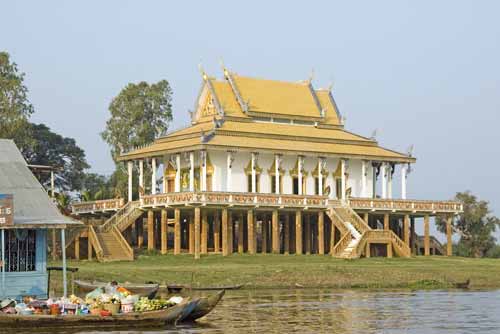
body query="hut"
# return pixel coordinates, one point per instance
(26, 215)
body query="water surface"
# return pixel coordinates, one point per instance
(328, 311)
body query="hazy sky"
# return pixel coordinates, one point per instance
(422, 72)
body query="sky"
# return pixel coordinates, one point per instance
(423, 73)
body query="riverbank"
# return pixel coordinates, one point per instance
(279, 271)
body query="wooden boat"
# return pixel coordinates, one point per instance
(160, 318)
(205, 306)
(144, 290)
(180, 287)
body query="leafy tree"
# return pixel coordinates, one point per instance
(139, 114)
(475, 226)
(15, 108)
(95, 187)
(52, 149)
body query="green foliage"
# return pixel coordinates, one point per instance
(51, 149)
(15, 108)
(139, 114)
(475, 226)
(95, 187)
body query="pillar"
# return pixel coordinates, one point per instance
(197, 233)
(264, 234)
(129, 170)
(191, 171)
(54, 245)
(177, 173)
(177, 231)
(141, 174)
(406, 230)
(151, 230)
(404, 170)
(287, 233)
(164, 234)
(153, 176)
(426, 236)
(276, 232)
(364, 173)
(389, 181)
(89, 247)
(241, 234)
(300, 167)
(389, 250)
(383, 172)
(254, 185)
(307, 227)
(203, 171)
(298, 232)
(251, 232)
(367, 250)
(77, 247)
(204, 232)
(332, 238)
(229, 170)
(140, 235)
(277, 161)
(343, 179)
(412, 236)
(216, 232)
(191, 233)
(230, 233)
(225, 232)
(449, 244)
(386, 222)
(321, 233)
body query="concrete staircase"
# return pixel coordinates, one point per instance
(356, 233)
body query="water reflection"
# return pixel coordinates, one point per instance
(327, 311)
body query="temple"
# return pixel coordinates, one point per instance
(264, 166)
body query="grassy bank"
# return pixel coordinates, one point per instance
(279, 271)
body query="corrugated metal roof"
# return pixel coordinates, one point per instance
(32, 205)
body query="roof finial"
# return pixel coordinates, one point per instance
(202, 71)
(311, 76)
(374, 135)
(409, 151)
(224, 69)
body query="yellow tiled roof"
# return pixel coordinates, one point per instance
(331, 116)
(227, 99)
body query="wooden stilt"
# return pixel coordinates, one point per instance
(177, 231)
(216, 232)
(264, 234)
(332, 238)
(321, 233)
(386, 222)
(151, 230)
(191, 233)
(251, 232)
(298, 232)
(241, 234)
(204, 232)
(77, 247)
(225, 232)
(197, 226)
(367, 250)
(275, 233)
(230, 233)
(412, 236)
(449, 244)
(389, 250)
(164, 231)
(426, 236)
(89, 247)
(406, 230)
(307, 228)
(286, 242)
(140, 232)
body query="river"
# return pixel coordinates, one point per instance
(356, 311)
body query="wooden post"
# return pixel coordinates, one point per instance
(406, 230)
(204, 232)
(386, 222)
(196, 232)
(276, 232)
(449, 244)
(177, 231)
(54, 245)
(251, 232)
(164, 231)
(241, 234)
(332, 238)
(77, 247)
(321, 233)
(230, 233)
(367, 250)
(140, 232)
(413, 242)
(89, 247)
(225, 233)
(298, 232)
(191, 233)
(307, 227)
(426, 236)
(264, 234)
(216, 232)
(366, 217)
(287, 233)
(151, 230)
(389, 250)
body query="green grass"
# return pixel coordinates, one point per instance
(280, 271)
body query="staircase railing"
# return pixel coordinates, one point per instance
(119, 215)
(357, 221)
(342, 244)
(337, 221)
(95, 243)
(123, 242)
(399, 244)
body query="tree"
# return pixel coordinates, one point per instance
(15, 108)
(139, 114)
(52, 149)
(475, 226)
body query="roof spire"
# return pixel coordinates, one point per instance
(202, 71)
(311, 76)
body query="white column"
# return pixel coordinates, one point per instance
(177, 173)
(383, 172)
(389, 181)
(52, 186)
(320, 176)
(343, 183)
(129, 170)
(254, 185)
(153, 176)
(203, 170)
(364, 173)
(141, 173)
(63, 249)
(403, 181)
(230, 160)
(299, 165)
(191, 171)
(277, 161)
